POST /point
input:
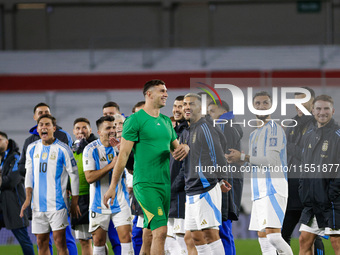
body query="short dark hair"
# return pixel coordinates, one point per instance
(82, 119)
(111, 104)
(325, 98)
(39, 105)
(179, 98)
(224, 105)
(3, 134)
(151, 84)
(263, 93)
(48, 116)
(139, 104)
(311, 91)
(100, 121)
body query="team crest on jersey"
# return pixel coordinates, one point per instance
(160, 211)
(273, 142)
(73, 162)
(44, 156)
(110, 156)
(304, 130)
(325, 146)
(194, 137)
(53, 155)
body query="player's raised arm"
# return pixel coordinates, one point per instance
(125, 150)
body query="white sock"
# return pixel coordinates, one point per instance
(280, 244)
(181, 242)
(217, 247)
(203, 249)
(127, 249)
(99, 250)
(266, 247)
(172, 246)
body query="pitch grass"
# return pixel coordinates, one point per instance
(243, 247)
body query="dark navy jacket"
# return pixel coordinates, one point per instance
(231, 201)
(295, 141)
(12, 189)
(320, 192)
(177, 202)
(207, 148)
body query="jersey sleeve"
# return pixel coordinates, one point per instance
(29, 167)
(131, 129)
(72, 169)
(88, 160)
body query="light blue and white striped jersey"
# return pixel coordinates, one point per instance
(95, 157)
(268, 158)
(47, 172)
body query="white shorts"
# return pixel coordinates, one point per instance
(203, 211)
(82, 232)
(176, 226)
(268, 212)
(43, 222)
(312, 227)
(103, 220)
(140, 221)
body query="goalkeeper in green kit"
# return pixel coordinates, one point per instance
(151, 137)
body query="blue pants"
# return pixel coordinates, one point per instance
(114, 239)
(137, 236)
(227, 237)
(70, 241)
(21, 235)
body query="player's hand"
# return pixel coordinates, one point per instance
(110, 194)
(234, 156)
(225, 186)
(23, 208)
(181, 152)
(75, 210)
(113, 141)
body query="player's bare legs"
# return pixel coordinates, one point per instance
(42, 242)
(306, 241)
(86, 246)
(335, 240)
(147, 240)
(190, 243)
(59, 237)
(124, 233)
(158, 240)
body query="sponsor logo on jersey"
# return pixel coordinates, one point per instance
(44, 156)
(309, 146)
(158, 124)
(160, 211)
(204, 222)
(103, 159)
(264, 222)
(36, 156)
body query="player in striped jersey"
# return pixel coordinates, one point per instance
(49, 163)
(99, 158)
(267, 158)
